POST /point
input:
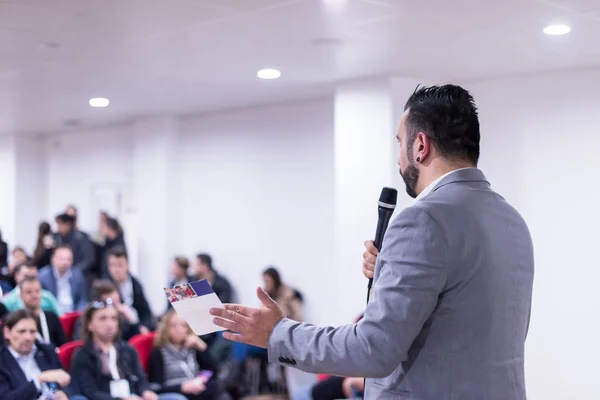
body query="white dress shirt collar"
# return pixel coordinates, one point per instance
(433, 184)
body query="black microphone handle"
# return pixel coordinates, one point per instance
(385, 214)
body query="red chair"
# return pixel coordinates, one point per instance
(143, 344)
(65, 353)
(68, 322)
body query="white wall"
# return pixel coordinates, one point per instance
(257, 189)
(7, 189)
(31, 179)
(540, 142)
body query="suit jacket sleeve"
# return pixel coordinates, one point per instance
(57, 334)
(141, 305)
(412, 274)
(81, 298)
(138, 370)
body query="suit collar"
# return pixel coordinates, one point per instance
(456, 176)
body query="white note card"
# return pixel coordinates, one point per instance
(193, 302)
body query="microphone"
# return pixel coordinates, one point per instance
(387, 204)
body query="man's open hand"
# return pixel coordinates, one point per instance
(248, 324)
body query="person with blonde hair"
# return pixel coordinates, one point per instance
(179, 362)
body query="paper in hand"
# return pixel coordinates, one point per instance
(193, 302)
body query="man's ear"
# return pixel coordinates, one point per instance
(423, 146)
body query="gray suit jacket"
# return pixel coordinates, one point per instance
(450, 308)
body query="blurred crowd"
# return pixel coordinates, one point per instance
(76, 324)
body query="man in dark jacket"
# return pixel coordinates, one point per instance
(84, 254)
(29, 369)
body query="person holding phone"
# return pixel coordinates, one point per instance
(179, 362)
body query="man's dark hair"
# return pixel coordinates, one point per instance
(114, 225)
(102, 287)
(15, 317)
(206, 260)
(118, 252)
(28, 279)
(65, 219)
(448, 116)
(24, 264)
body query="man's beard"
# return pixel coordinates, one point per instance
(410, 177)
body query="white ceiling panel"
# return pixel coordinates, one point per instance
(184, 56)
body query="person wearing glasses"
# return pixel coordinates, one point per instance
(105, 367)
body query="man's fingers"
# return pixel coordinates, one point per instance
(239, 309)
(370, 246)
(370, 258)
(368, 273)
(265, 298)
(227, 324)
(233, 312)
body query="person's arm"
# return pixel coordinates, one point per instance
(156, 367)
(157, 371)
(84, 372)
(25, 391)
(82, 300)
(142, 306)
(207, 362)
(413, 273)
(138, 371)
(58, 335)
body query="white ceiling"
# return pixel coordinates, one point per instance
(185, 56)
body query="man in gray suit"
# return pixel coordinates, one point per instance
(452, 285)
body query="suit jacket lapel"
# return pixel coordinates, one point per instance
(14, 366)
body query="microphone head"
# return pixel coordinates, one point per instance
(388, 197)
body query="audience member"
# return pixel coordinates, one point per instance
(3, 252)
(288, 298)
(13, 301)
(106, 367)
(28, 369)
(179, 274)
(64, 282)
(19, 256)
(44, 245)
(100, 237)
(204, 269)
(6, 282)
(129, 322)
(130, 289)
(114, 238)
(179, 361)
(50, 330)
(84, 255)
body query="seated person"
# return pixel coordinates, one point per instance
(29, 370)
(12, 300)
(67, 284)
(179, 357)
(50, 330)
(103, 290)
(179, 272)
(288, 298)
(130, 290)
(106, 367)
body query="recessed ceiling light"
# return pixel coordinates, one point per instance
(268, 73)
(557, 30)
(99, 102)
